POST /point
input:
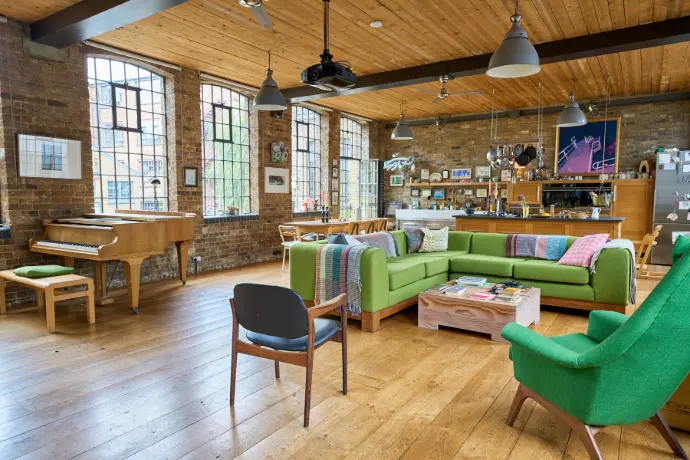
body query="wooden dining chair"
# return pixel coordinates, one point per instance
(288, 237)
(643, 254)
(353, 228)
(369, 226)
(280, 327)
(381, 225)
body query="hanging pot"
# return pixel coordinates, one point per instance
(531, 152)
(491, 154)
(523, 160)
(519, 149)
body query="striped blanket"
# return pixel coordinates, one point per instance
(549, 247)
(337, 271)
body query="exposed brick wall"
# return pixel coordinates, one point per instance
(644, 127)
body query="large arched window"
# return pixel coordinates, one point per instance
(358, 174)
(225, 150)
(128, 136)
(306, 157)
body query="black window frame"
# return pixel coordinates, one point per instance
(126, 88)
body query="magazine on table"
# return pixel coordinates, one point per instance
(475, 281)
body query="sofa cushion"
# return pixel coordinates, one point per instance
(489, 244)
(459, 241)
(547, 270)
(436, 262)
(404, 270)
(579, 343)
(483, 264)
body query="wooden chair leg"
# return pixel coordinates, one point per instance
(307, 388)
(663, 428)
(233, 366)
(277, 369)
(343, 320)
(518, 401)
(50, 309)
(586, 434)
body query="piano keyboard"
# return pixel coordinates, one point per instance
(62, 245)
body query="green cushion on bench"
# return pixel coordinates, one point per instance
(42, 271)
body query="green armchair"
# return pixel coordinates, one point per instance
(622, 371)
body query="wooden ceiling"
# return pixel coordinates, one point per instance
(222, 38)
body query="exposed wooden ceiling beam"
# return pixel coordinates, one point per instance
(615, 41)
(90, 18)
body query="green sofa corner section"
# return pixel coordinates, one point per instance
(390, 285)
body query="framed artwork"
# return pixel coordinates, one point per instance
(414, 204)
(483, 171)
(393, 206)
(334, 185)
(49, 157)
(438, 193)
(469, 192)
(506, 175)
(504, 193)
(277, 180)
(334, 198)
(445, 174)
(589, 149)
(425, 174)
(334, 173)
(482, 192)
(461, 174)
(190, 176)
(426, 192)
(397, 180)
(414, 192)
(335, 162)
(278, 152)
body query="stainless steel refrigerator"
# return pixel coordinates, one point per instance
(671, 194)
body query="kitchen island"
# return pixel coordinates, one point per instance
(535, 225)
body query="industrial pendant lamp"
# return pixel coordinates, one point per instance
(402, 131)
(269, 97)
(572, 114)
(515, 56)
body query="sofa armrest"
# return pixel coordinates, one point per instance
(539, 345)
(611, 280)
(604, 323)
(303, 269)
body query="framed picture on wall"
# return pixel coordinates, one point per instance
(469, 192)
(482, 193)
(49, 157)
(461, 174)
(190, 176)
(483, 171)
(334, 198)
(504, 193)
(445, 174)
(335, 162)
(397, 180)
(424, 175)
(426, 192)
(438, 193)
(334, 185)
(414, 192)
(506, 175)
(334, 173)
(277, 180)
(589, 149)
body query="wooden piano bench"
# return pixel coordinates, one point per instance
(50, 290)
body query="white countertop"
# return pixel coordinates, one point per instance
(429, 214)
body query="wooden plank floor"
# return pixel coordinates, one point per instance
(155, 386)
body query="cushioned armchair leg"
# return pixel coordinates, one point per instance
(515, 407)
(661, 425)
(277, 369)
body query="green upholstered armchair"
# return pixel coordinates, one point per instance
(622, 371)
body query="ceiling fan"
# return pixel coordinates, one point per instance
(257, 9)
(444, 94)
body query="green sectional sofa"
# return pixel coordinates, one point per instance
(391, 285)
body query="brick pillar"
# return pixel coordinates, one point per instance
(330, 135)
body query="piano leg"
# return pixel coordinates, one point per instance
(100, 272)
(133, 274)
(66, 261)
(182, 258)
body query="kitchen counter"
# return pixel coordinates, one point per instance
(429, 218)
(539, 225)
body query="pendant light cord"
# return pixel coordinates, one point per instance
(269, 59)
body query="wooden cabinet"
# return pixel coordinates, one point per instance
(530, 190)
(634, 200)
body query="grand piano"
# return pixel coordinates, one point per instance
(128, 236)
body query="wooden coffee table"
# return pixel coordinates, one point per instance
(487, 316)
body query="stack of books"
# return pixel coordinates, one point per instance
(474, 281)
(509, 295)
(447, 289)
(483, 296)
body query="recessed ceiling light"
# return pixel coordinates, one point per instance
(376, 24)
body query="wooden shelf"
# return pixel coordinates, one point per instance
(455, 184)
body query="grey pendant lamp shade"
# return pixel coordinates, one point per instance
(515, 56)
(572, 114)
(269, 97)
(402, 131)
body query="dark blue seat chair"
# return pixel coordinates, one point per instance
(281, 327)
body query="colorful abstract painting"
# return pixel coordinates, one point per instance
(588, 149)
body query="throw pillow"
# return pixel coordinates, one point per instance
(338, 238)
(42, 271)
(680, 247)
(434, 240)
(581, 252)
(414, 236)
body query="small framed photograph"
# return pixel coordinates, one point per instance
(445, 174)
(504, 193)
(397, 180)
(334, 198)
(425, 174)
(461, 174)
(482, 192)
(438, 193)
(414, 192)
(483, 171)
(277, 180)
(335, 162)
(190, 176)
(334, 185)
(469, 192)
(426, 192)
(334, 173)
(506, 175)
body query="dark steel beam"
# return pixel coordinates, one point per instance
(551, 109)
(90, 18)
(613, 41)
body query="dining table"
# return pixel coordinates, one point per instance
(324, 229)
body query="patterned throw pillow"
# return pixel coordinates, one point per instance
(581, 252)
(434, 240)
(414, 236)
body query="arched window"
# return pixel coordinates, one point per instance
(225, 150)
(358, 174)
(306, 157)
(128, 136)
